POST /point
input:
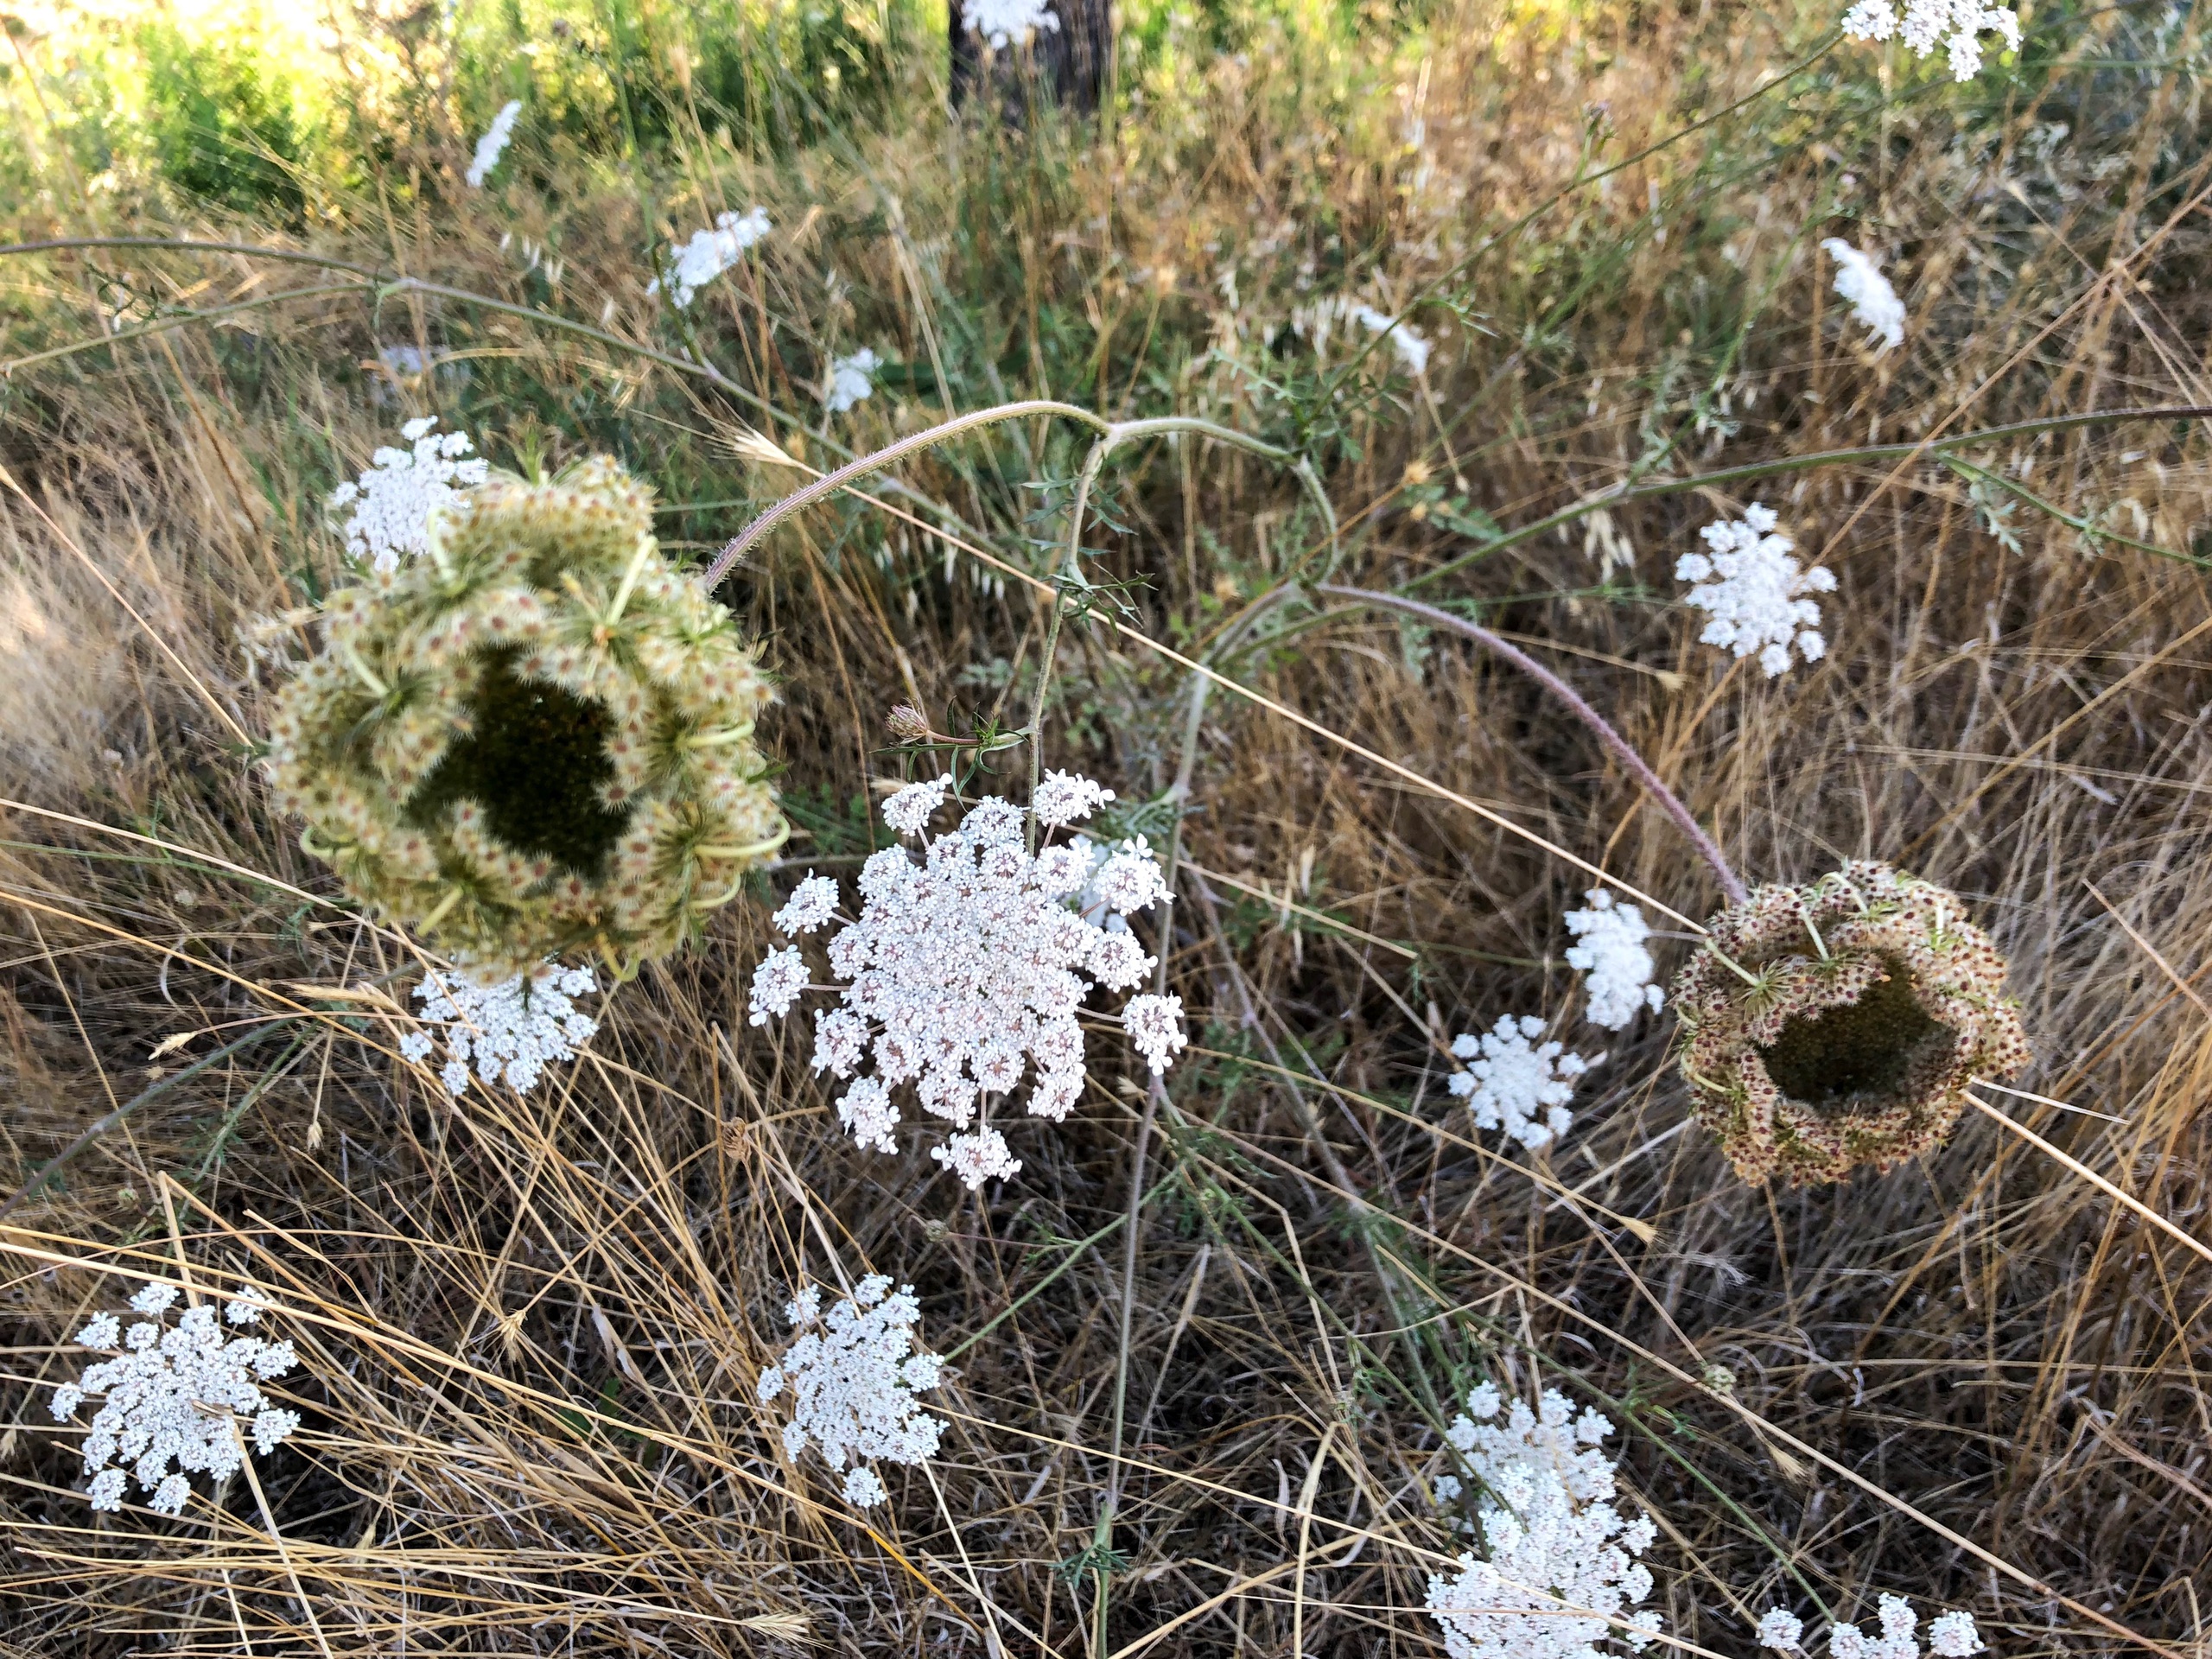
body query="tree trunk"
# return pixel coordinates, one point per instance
(1065, 65)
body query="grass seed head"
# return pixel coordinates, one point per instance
(534, 739)
(1838, 1024)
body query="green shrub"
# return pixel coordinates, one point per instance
(221, 124)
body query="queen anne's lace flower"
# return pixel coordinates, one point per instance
(1872, 301)
(1755, 591)
(965, 970)
(853, 1377)
(708, 254)
(493, 144)
(1514, 1085)
(393, 500)
(1950, 1635)
(1561, 1574)
(1002, 23)
(851, 380)
(513, 1029)
(1613, 956)
(1955, 25)
(171, 1394)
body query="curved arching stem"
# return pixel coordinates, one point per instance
(830, 483)
(1572, 701)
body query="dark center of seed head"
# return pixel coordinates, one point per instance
(1864, 1048)
(534, 762)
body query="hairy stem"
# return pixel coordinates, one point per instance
(1618, 746)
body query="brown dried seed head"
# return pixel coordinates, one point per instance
(1837, 1023)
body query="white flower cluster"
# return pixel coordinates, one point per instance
(393, 500)
(1615, 959)
(853, 1377)
(513, 1029)
(1561, 1574)
(1514, 1085)
(967, 967)
(1872, 301)
(1955, 25)
(708, 254)
(177, 1395)
(1317, 322)
(1755, 591)
(493, 144)
(849, 381)
(1950, 1635)
(1002, 22)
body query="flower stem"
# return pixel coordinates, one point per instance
(1618, 746)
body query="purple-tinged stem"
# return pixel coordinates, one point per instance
(1616, 745)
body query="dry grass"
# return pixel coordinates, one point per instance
(531, 1326)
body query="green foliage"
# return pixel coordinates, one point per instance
(221, 123)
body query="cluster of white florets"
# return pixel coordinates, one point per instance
(1561, 1573)
(853, 1377)
(851, 380)
(173, 1393)
(513, 1029)
(708, 254)
(1950, 1635)
(1514, 1083)
(493, 144)
(393, 500)
(966, 968)
(1615, 961)
(1002, 23)
(1955, 25)
(1755, 591)
(1872, 301)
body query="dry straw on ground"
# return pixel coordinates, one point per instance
(530, 1327)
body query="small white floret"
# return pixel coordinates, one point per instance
(1062, 799)
(709, 253)
(776, 984)
(1613, 956)
(1781, 1629)
(396, 501)
(812, 903)
(1155, 1028)
(1754, 590)
(982, 1156)
(511, 1029)
(851, 380)
(1872, 301)
(1515, 1085)
(493, 144)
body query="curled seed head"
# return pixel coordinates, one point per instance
(1838, 1024)
(535, 740)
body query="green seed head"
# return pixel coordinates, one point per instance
(1872, 1001)
(536, 739)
